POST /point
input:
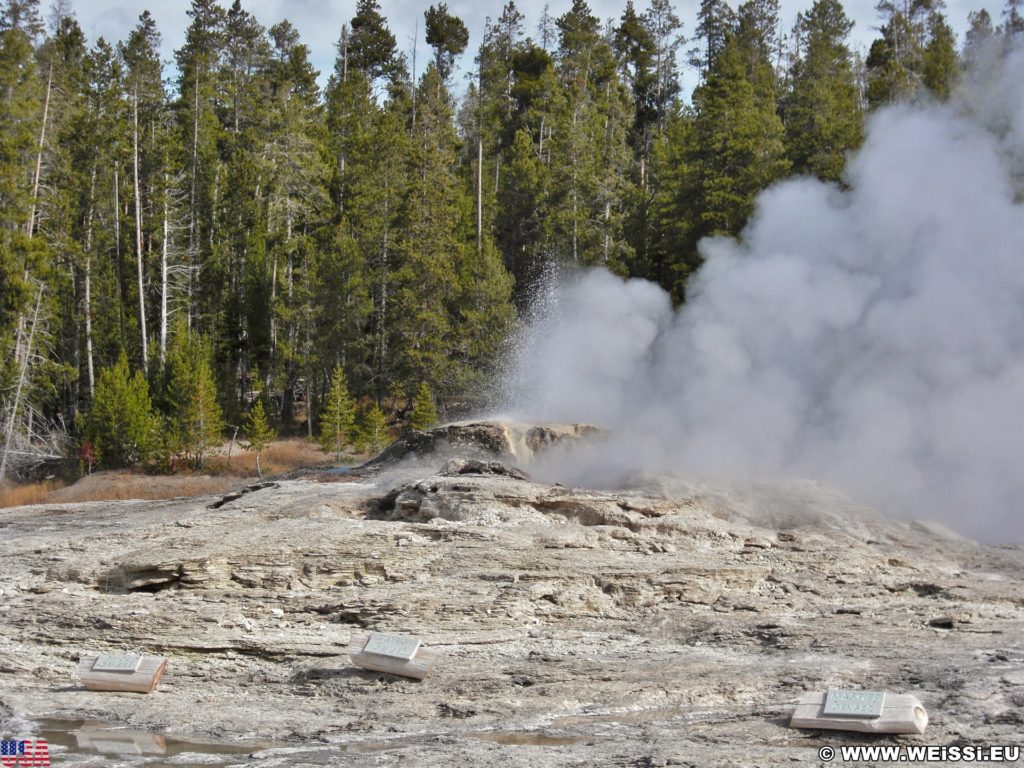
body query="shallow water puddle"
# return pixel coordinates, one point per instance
(87, 738)
(90, 737)
(529, 739)
(505, 738)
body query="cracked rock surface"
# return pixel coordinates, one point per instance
(671, 624)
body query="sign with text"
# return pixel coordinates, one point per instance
(108, 662)
(394, 654)
(854, 704)
(393, 646)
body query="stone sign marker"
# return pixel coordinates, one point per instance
(393, 646)
(862, 711)
(112, 672)
(395, 654)
(853, 704)
(108, 662)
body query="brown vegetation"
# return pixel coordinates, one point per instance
(220, 476)
(125, 484)
(279, 456)
(31, 493)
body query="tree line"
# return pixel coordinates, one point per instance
(226, 231)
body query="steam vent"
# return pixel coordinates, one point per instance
(671, 621)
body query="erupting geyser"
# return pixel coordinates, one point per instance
(871, 336)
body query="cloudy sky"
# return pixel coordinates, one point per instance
(319, 21)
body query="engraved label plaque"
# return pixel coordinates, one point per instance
(108, 662)
(392, 646)
(853, 704)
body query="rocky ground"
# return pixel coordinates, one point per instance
(671, 624)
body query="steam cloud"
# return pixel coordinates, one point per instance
(871, 337)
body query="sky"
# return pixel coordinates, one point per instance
(319, 21)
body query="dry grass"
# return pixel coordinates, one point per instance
(280, 456)
(31, 493)
(218, 477)
(112, 486)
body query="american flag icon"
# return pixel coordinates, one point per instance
(24, 753)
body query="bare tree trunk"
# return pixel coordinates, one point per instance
(308, 351)
(231, 445)
(540, 144)
(39, 153)
(138, 230)
(382, 310)
(290, 257)
(415, 39)
(30, 225)
(213, 203)
(118, 266)
(607, 229)
(575, 196)
(87, 277)
(193, 236)
(479, 195)
(164, 282)
(22, 376)
(273, 302)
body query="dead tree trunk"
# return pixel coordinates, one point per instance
(12, 416)
(138, 231)
(164, 274)
(193, 214)
(87, 279)
(118, 265)
(39, 153)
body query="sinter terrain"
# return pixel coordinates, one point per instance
(674, 622)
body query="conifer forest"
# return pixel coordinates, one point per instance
(181, 242)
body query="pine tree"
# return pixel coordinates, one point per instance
(121, 425)
(822, 111)
(502, 42)
(524, 191)
(447, 35)
(23, 16)
(375, 433)
(1013, 19)
(376, 180)
(57, 186)
(521, 225)
(738, 141)
(237, 259)
(427, 247)
(296, 196)
(940, 66)
(371, 47)
(670, 209)
(591, 157)
(979, 36)
(734, 150)
(259, 433)
(483, 314)
(144, 91)
(715, 21)
(424, 414)
(22, 259)
(337, 423)
(199, 127)
(191, 395)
